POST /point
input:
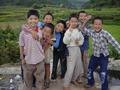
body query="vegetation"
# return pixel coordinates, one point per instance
(12, 17)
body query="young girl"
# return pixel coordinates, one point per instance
(59, 50)
(73, 38)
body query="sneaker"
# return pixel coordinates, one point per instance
(88, 86)
(66, 88)
(46, 84)
(75, 83)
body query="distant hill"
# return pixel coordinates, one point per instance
(66, 3)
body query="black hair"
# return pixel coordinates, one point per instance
(32, 12)
(82, 12)
(51, 26)
(97, 18)
(48, 13)
(63, 22)
(73, 15)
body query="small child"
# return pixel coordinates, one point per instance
(73, 38)
(47, 18)
(59, 50)
(46, 41)
(100, 55)
(31, 52)
(84, 48)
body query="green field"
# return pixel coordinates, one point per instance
(12, 17)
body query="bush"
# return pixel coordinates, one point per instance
(9, 49)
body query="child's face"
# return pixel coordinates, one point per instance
(32, 20)
(73, 22)
(47, 32)
(82, 17)
(59, 27)
(48, 19)
(97, 25)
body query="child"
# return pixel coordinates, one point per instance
(31, 52)
(100, 55)
(46, 41)
(47, 18)
(73, 38)
(84, 48)
(59, 50)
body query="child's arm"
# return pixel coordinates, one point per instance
(67, 37)
(57, 36)
(113, 42)
(21, 44)
(81, 39)
(22, 58)
(27, 29)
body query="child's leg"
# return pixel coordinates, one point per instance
(71, 61)
(55, 64)
(85, 61)
(63, 62)
(22, 75)
(103, 72)
(91, 68)
(78, 71)
(39, 75)
(28, 76)
(47, 71)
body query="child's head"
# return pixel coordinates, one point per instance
(48, 30)
(97, 23)
(32, 17)
(60, 26)
(82, 15)
(73, 21)
(48, 18)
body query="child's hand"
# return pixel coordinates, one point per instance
(23, 61)
(51, 42)
(88, 17)
(34, 34)
(77, 41)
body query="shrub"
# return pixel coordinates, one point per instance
(9, 49)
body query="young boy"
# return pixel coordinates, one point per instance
(84, 48)
(100, 38)
(31, 52)
(73, 39)
(46, 41)
(47, 18)
(59, 50)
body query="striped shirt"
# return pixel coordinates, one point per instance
(32, 48)
(100, 42)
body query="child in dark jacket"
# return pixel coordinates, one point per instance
(59, 49)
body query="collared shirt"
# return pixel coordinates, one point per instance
(100, 42)
(32, 48)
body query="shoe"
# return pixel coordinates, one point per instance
(79, 82)
(46, 84)
(75, 83)
(66, 88)
(88, 86)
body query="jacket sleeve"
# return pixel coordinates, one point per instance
(67, 37)
(81, 38)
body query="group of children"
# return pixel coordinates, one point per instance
(68, 42)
